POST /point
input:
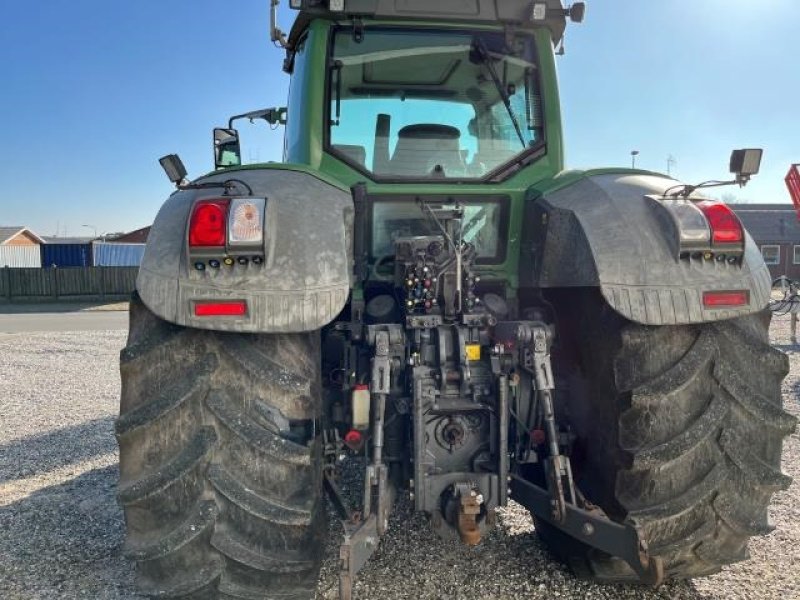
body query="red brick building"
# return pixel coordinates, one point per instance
(776, 230)
(134, 237)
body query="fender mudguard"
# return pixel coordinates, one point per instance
(601, 230)
(304, 281)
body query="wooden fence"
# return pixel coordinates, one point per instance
(66, 283)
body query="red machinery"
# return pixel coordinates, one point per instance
(793, 183)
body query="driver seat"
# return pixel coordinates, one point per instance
(420, 148)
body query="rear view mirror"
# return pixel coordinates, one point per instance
(227, 150)
(746, 163)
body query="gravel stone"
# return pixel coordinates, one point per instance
(61, 529)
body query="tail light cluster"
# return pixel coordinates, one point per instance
(227, 222)
(708, 230)
(227, 231)
(223, 233)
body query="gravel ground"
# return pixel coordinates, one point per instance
(61, 530)
(47, 307)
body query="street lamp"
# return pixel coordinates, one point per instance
(634, 154)
(93, 228)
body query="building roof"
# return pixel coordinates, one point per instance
(782, 207)
(777, 223)
(68, 240)
(138, 236)
(9, 232)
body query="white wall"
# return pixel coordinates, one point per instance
(20, 256)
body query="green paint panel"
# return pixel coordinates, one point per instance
(306, 132)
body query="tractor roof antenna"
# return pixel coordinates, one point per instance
(276, 35)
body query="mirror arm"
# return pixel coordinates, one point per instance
(273, 116)
(686, 190)
(276, 35)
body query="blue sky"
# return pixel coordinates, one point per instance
(93, 92)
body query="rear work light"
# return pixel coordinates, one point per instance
(726, 299)
(236, 308)
(725, 225)
(208, 223)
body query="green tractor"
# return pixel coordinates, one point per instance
(422, 291)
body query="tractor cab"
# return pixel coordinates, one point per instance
(415, 105)
(414, 94)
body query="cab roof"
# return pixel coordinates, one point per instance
(522, 14)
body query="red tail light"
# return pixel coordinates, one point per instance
(220, 309)
(725, 225)
(209, 223)
(726, 299)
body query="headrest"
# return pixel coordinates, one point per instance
(429, 131)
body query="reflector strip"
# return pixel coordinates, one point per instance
(220, 309)
(726, 299)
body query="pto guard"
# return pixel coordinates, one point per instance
(602, 231)
(304, 280)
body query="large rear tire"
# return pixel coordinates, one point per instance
(220, 464)
(680, 431)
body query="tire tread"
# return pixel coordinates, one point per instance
(204, 523)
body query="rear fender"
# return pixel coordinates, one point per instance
(602, 231)
(304, 281)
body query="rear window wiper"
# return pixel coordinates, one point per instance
(485, 59)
